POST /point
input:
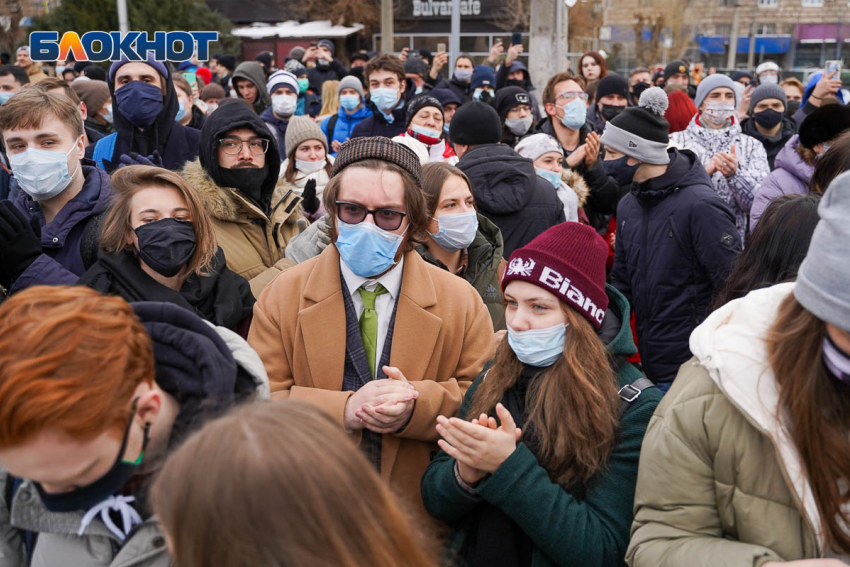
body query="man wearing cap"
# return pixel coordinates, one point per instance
(367, 330)
(328, 67)
(513, 105)
(283, 88)
(768, 73)
(736, 163)
(451, 102)
(506, 187)
(144, 109)
(33, 69)
(226, 66)
(254, 215)
(482, 87)
(352, 111)
(266, 59)
(416, 70)
(676, 73)
(612, 97)
(676, 240)
(98, 117)
(514, 73)
(767, 121)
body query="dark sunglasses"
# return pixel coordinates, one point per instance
(352, 213)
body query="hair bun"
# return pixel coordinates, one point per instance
(655, 100)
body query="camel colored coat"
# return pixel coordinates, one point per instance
(442, 338)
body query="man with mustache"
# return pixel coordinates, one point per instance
(236, 174)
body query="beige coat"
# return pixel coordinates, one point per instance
(253, 243)
(720, 481)
(441, 340)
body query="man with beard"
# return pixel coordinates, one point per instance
(236, 175)
(145, 106)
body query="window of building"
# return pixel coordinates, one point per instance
(765, 29)
(723, 30)
(727, 2)
(768, 3)
(812, 3)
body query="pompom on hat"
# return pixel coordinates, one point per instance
(641, 132)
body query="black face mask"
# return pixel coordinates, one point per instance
(619, 170)
(791, 107)
(638, 89)
(609, 112)
(166, 245)
(246, 180)
(89, 496)
(768, 118)
(515, 83)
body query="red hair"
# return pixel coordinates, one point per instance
(70, 359)
(680, 110)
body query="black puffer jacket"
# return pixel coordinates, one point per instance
(508, 191)
(676, 242)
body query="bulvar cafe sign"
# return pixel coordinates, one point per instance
(426, 8)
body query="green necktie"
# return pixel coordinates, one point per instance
(369, 324)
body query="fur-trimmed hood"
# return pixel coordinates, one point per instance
(226, 204)
(576, 182)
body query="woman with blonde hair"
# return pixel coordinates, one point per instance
(293, 490)
(330, 100)
(158, 244)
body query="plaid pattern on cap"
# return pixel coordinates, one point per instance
(384, 149)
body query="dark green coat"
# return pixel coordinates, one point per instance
(593, 532)
(482, 272)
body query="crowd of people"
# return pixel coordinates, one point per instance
(401, 314)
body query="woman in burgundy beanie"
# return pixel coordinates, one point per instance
(549, 435)
(680, 111)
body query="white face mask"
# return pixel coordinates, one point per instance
(718, 113)
(212, 107)
(42, 174)
(108, 115)
(309, 167)
(284, 105)
(769, 80)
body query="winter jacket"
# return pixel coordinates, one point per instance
(484, 270)
(321, 178)
(206, 370)
(772, 146)
(573, 193)
(377, 125)
(508, 191)
(738, 191)
(502, 81)
(564, 530)
(344, 127)
(459, 88)
(61, 262)
(175, 143)
(436, 153)
(605, 192)
(277, 126)
(309, 104)
(253, 71)
(791, 176)
(720, 480)
(441, 339)
(318, 75)
(198, 118)
(676, 243)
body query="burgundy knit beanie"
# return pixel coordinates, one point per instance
(567, 260)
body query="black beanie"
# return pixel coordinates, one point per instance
(612, 84)
(420, 102)
(508, 98)
(674, 68)
(474, 124)
(824, 124)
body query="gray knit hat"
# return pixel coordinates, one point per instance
(351, 82)
(534, 146)
(641, 131)
(300, 129)
(763, 92)
(822, 279)
(712, 82)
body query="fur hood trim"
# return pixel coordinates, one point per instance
(576, 182)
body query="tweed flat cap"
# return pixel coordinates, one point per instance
(384, 149)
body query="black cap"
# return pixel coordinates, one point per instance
(474, 124)
(420, 102)
(362, 55)
(675, 68)
(612, 84)
(508, 98)
(824, 124)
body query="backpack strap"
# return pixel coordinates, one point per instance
(331, 127)
(631, 392)
(104, 148)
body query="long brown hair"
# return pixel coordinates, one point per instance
(128, 181)
(573, 408)
(434, 176)
(818, 407)
(293, 490)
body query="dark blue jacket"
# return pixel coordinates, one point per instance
(61, 262)
(345, 124)
(278, 129)
(509, 192)
(676, 243)
(377, 125)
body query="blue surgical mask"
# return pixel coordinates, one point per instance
(180, 112)
(384, 99)
(140, 103)
(4, 96)
(108, 115)
(538, 347)
(446, 129)
(575, 114)
(42, 174)
(367, 249)
(456, 231)
(418, 90)
(552, 177)
(349, 101)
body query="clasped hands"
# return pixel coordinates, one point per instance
(382, 406)
(725, 163)
(479, 446)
